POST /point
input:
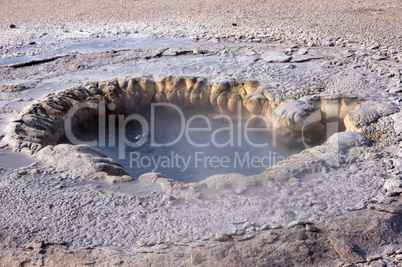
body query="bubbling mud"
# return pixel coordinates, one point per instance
(44, 127)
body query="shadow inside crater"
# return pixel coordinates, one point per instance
(190, 144)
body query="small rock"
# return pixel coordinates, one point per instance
(393, 186)
(349, 139)
(275, 57)
(222, 237)
(251, 229)
(12, 26)
(170, 52)
(395, 90)
(373, 258)
(311, 228)
(373, 47)
(292, 224)
(390, 250)
(264, 227)
(248, 224)
(240, 232)
(275, 225)
(37, 244)
(328, 44)
(194, 38)
(246, 237)
(290, 67)
(377, 57)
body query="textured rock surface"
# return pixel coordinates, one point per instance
(296, 115)
(349, 139)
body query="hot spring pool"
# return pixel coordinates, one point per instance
(190, 145)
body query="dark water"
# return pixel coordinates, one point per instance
(192, 147)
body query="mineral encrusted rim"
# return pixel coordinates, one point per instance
(41, 125)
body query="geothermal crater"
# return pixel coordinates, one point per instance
(287, 127)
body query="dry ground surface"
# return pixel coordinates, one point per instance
(369, 21)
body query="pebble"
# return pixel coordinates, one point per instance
(377, 57)
(12, 26)
(374, 47)
(248, 224)
(290, 67)
(194, 38)
(275, 225)
(328, 44)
